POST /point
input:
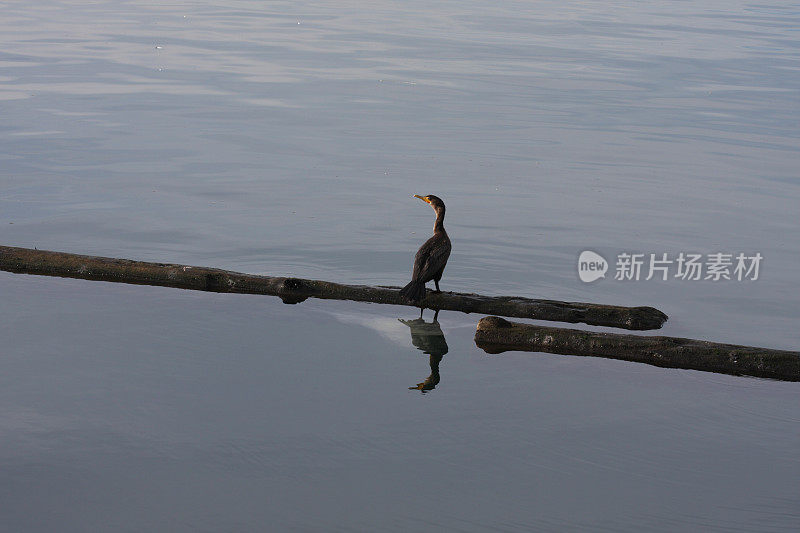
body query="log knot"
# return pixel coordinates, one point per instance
(292, 284)
(216, 282)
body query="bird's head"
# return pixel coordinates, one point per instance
(434, 201)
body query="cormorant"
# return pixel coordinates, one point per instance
(432, 256)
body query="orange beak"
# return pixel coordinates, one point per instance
(423, 198)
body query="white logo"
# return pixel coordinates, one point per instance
(591, 266)
(630, 266)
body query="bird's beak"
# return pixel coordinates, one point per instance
(423, 198)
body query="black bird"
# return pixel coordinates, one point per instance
(432, 256)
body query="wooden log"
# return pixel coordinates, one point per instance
(294, 290)
(496, 335)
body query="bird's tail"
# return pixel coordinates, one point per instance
(414, 291)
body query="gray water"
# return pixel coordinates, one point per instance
(288, 138)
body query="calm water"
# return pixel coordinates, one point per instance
(288, 138)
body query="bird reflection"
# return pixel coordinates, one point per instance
(428, 338)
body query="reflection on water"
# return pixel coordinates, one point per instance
(428, 338)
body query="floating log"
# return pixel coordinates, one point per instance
(496, 335)
(295, 290)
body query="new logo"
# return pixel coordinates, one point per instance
(591, 266)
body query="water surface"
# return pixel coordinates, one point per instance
(288, 138)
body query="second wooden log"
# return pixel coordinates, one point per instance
(496, 335)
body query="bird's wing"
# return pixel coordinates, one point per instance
(431, 257)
